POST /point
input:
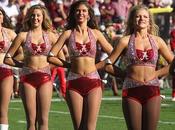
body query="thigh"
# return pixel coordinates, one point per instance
(92, 106)
(44, 96)
(75, 103)
(151, 111)
(6, 89)
(132, 111)
(28, 95)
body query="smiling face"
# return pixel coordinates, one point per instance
(142, 19)
(81, 14)
(36, 18)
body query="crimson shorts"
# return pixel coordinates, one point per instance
(141, 94)
(35, 79)
(84, 85)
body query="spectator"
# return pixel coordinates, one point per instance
(107, 11)
(12, 11)
(57, 13)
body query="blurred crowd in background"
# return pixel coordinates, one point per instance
(111, 16)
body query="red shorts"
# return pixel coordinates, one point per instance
(35, 79)
(141, 94)
(84, 85)
(5, 72)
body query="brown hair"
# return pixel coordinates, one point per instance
(71, 21)
(6, 20)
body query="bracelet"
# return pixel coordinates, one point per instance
(8, 55)
(108, 61)
(51, 54)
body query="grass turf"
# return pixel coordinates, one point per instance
(110, 117)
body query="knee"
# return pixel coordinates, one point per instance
(31, 124)
(43, 120)
(4, 109)
(3, 113)
(91, 126)
(31, 121)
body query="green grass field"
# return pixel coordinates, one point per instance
(110, 117)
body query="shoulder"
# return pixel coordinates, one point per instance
(51, 34)
(22, 35)
(9, 30)
(63, 37)
(11, 33)
(157, 39)
(160, 43)
(97, 33)
(125, 40)
(66, 34)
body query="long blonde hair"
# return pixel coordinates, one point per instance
(47, 23)
(130, 25)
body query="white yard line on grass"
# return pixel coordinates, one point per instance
(101, 116)
(104, 99)
(21, 122)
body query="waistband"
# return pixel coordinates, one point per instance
(92, 75)
(5, 66)
(132, 83)
(28, 70)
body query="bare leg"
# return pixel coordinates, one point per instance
(91, 109)
(133, 113)
(44, 96)
(151, 111)
(28, 94)
(6, 89)
(114, 86)
(75, 103)
(16, 87)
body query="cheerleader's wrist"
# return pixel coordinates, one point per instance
(108, 61)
